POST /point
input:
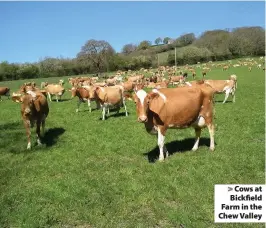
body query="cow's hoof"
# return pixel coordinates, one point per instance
(212, 149)
(194, 149)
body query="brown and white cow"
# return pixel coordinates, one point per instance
(178, 79)
(83, 94)
(109, 97)
(224, 86)
(34, 109)
(176, 108)
(4, 91)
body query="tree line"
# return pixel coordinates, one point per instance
(98, 56)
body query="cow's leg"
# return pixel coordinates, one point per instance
(56, 98)
(198, 133)
(108, 109)
(98, 104)
(38, 131)
(227, 92)
(125, 107)
(211, 132)
(49, 95)
(103, 112)
(0, 98)
(234, 95)
(78, 104)
(161, 145)
(89, 104)
(27, 126)
(43, 125)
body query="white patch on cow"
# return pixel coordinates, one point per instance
(73, 88)
(101, 88)
(141, 94)
(27, 110)
(171, 125)
(32, 94)
(189, 84)
(200, 121)
(86, 87)
(39, 142)
(29, 146)
(226, 88)
(161, 94)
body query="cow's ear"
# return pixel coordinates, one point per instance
(155, 103)
(135, 97)
(152, 95)
(17, 99)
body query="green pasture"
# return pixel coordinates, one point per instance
(94, 173)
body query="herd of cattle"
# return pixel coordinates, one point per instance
(184, 104)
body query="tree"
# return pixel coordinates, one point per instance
(217, 41)
(97, 52)
(129, 48)
(186, 39)
(166, 39)
(158, 41)
(144, 45)
(247, 41)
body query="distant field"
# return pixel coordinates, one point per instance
(94, 173)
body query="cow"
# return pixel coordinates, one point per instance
(54, 89)
(193, 74)
(44, 84)
(111, 81)
(34, 109)
(224, 86)
(128, 86)
(4, 91)
(83, 94)
(179, 79)
(176, 108)
(225, 68)
(109, 96)
(136, 78)
(61, 82)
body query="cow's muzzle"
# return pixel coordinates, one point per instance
(142, 119)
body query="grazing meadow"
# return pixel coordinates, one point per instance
(94, 173)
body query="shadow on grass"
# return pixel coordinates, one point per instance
(221, 101)
(176, 147)
(62, 100)
(114, 114)
(51, 136)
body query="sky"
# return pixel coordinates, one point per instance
(30, 31)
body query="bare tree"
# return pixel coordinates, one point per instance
(97, 52)
(129, 48)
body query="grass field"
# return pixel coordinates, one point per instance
(94, 173)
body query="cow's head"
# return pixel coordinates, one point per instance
(93, 92)
(73, 92)
(27, 104)
(142, 101)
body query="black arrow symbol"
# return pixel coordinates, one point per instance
(230, 189)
